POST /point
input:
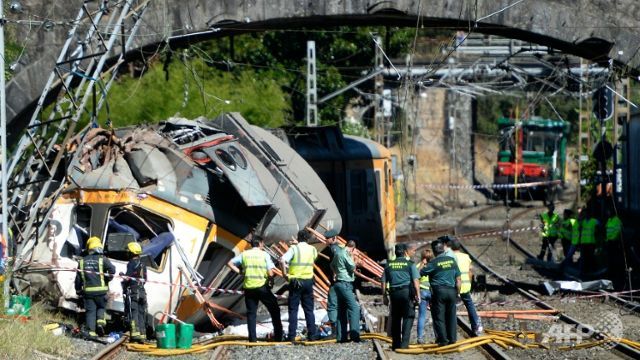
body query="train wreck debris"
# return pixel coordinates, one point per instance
(189, 192)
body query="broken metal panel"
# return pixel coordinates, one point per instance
(244, 178)
(307, 194)
(298, 171)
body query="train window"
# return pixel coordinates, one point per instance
(238, 157)
(358, 180)
(213, 265)
(226, 159)
(271, 152)
(78, 233)
(130, 223)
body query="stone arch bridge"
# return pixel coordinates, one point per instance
(602, 30)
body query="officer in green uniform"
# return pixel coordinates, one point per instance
(550, 222)
(400, 282)
(344, 266)
(444, 276)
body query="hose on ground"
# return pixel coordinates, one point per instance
(504, 339)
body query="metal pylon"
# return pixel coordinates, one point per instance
(37, 167)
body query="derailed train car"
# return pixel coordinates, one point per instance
(190, 192)
(357, 172)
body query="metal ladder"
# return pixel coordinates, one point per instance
(104, 31)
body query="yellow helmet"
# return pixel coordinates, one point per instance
(134, 248)
(93, 243)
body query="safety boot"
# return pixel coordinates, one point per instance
(100, 326)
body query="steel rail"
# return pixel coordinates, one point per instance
(112, 350)
(491, 349)
(622, 348)
(629, 305)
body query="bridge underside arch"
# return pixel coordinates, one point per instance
(592, 29)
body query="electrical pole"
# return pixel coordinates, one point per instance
(3, 144)
(582, 136)
(378, 117)
(312, 85)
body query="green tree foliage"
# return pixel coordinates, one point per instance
(262, 75)
(195, 89)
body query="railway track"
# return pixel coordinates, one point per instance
(490, 350)
(620, 348)
(431, 233)
(525, 253)
(112, 350)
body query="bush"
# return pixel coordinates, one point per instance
(21, 340)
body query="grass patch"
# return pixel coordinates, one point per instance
(20, 339)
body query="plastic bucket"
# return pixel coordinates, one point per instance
(166, 336)
(185, 335)
(26, 304)
(19, 305)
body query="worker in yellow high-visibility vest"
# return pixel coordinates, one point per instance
(550, 222)
(588, 228)
(256, 267)
(464, 264)
(297, 267)
(568, 229)
(425, 294)
(613, 244)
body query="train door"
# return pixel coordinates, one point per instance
(68, 230)
(169, 240)
(389, 225)
(363, 205)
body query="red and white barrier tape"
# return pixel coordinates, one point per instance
(486, 234)
(492, 186)
(203, 289)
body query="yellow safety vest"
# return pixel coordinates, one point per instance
(97, 288)
(588, 235)
(614, 228)
(574, 231)
(301, 266)
(464, 264)
(424, 281)
(550, 224)
(254, 268)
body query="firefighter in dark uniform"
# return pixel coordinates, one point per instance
(401, 283)
(136, 295)
(92, 283)
(444, 277)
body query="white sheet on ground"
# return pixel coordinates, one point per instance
(553, 286)
(265, 327)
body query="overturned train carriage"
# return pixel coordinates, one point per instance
(190, 192)
(357, 172)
